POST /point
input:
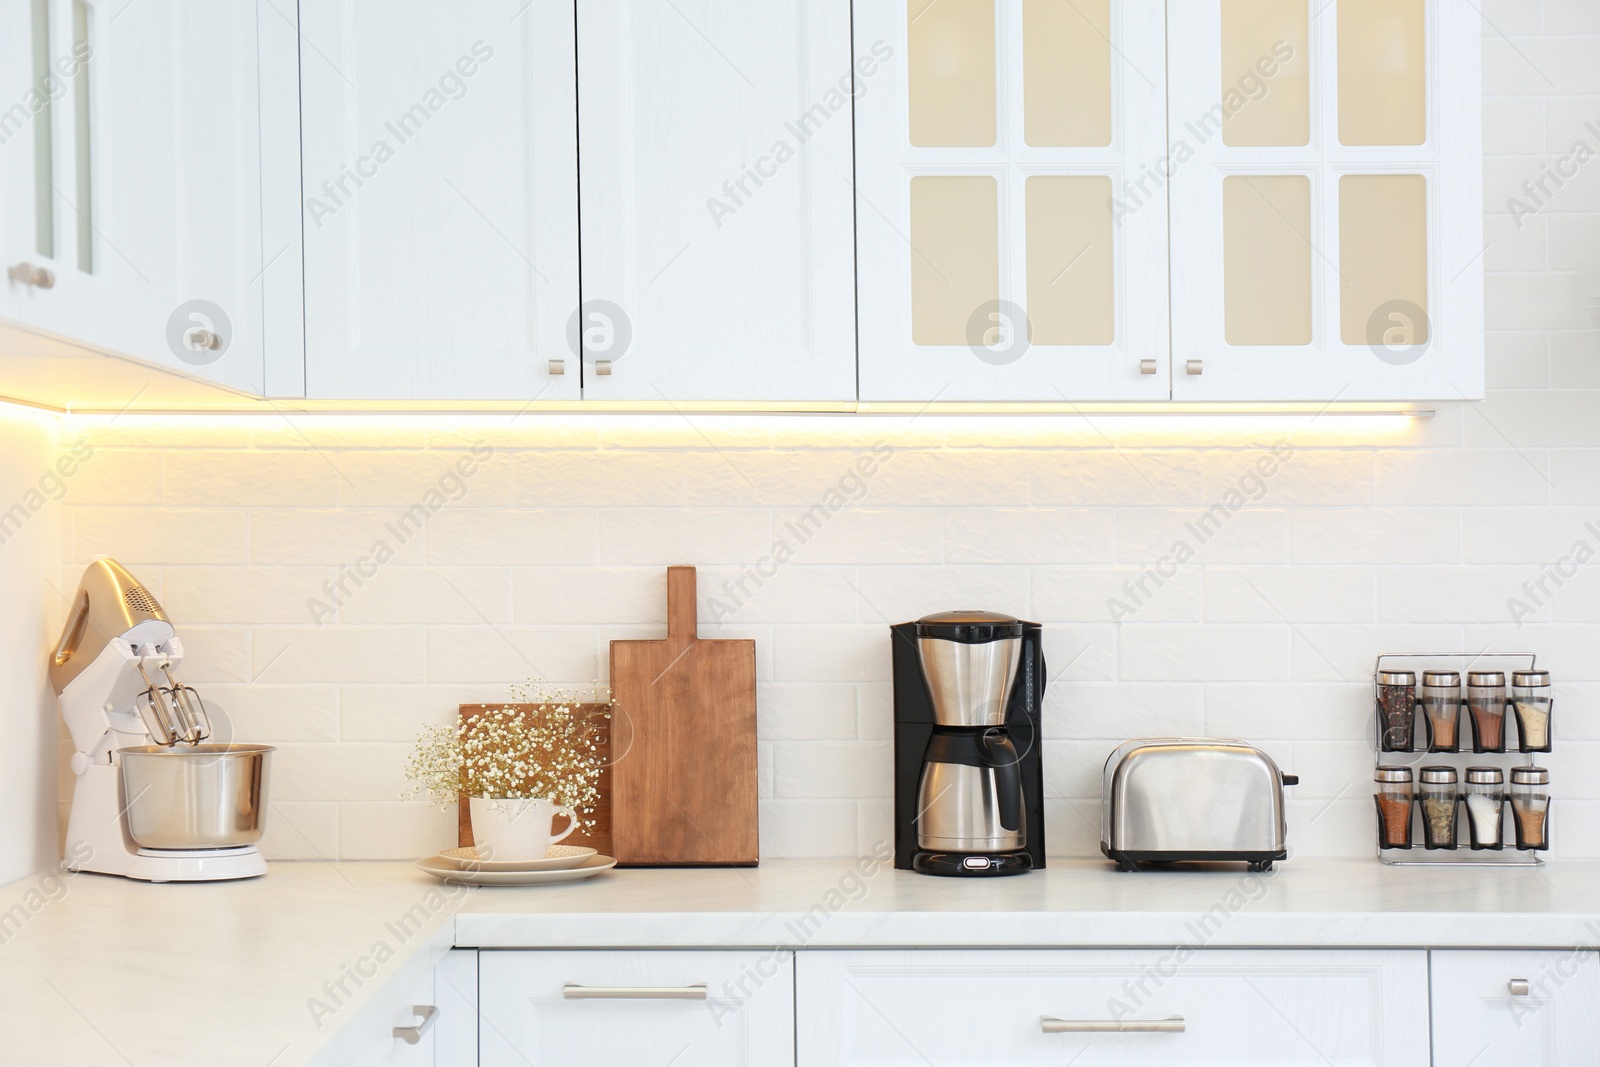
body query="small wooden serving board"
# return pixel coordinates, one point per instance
(683, 775)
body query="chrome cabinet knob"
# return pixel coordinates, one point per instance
(200, 339)
(426, 1015)
(1518, 987)
(602, 366)
(1195, 366)
(558, 366)
(28, 274)
(1147, 366)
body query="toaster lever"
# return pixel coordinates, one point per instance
(1291, 779)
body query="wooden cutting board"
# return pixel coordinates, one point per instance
(597, 838)
(683, 776)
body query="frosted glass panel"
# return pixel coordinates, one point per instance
(1266, 224)
(1070, 260)
(952, 80)
(1266, 87)
(1382, 84)
(955, 255)
(1066, 73)
(82, 46)
(1383, 259)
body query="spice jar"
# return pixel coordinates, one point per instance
(1397, 710)
(1486, 799)
(1394, 806)
(1530, 807)
(1441, 709)
(1486, 703)
(1439, 794)
(1530, 699)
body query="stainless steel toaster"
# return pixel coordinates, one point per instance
(1193, 798)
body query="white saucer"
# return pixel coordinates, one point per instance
(447, 871)
(559, 858)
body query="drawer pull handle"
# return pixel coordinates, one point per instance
(573, 991)
(427, 1015)
(1518, 987)
(1174, 1025)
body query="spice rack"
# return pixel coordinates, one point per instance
(1463, 855)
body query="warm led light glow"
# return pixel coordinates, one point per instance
(913, 425)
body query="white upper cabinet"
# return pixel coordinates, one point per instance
(1011, 246)
(440, 199)
(1325, 166)
(135, 156)
(718, 259)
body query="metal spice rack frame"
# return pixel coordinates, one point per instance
(1461, 856)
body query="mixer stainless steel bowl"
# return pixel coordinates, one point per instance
(195, 796)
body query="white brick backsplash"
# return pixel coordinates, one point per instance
(1375, 535)
(664, 536)
(1214, 652)
(1371, 538)
(1216, 534)
(1328, 712)
(1284, 594)
(834, 769)
(823, 711)
(1093, 594)
(1127, 476)
(1033, 535)
(892, 595)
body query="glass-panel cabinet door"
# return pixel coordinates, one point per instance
(1326, 194)
(1011, 218)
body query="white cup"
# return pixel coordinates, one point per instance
(517, 829)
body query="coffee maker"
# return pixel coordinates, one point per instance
(969, 778)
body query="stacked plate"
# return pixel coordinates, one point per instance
(563, 863)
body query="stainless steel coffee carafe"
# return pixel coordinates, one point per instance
(970, 795)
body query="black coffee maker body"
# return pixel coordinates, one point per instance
(969, 777)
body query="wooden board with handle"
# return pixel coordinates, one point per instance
(683, 779)
(598, 836)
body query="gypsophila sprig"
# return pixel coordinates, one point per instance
(542, 744)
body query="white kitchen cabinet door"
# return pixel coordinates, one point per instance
(1006, 251)
(1482, 1017)
(1326, 195)
(1267, 1007)
(576, 1009)
(455, 981)
(140, 185)
(440, 200)
(718, 259)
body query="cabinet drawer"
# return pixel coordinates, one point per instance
(1528, 1008)
(1238, 1007)
(576, 1008)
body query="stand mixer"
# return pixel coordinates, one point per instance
(153, 801)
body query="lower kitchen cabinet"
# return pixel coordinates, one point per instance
(1178, 1005)
(1528, 1008)
(708, 1009)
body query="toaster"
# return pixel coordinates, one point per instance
(1193, 798)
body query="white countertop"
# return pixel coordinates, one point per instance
(107, 971)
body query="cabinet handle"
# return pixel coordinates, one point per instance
(573, 991)
(200, 339)
(1518, 987)
(558, 366)
(1195, 366)
(1147, 366)
(426, 1015)
(602, 366)
(1174, 1025)
(28, 274)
